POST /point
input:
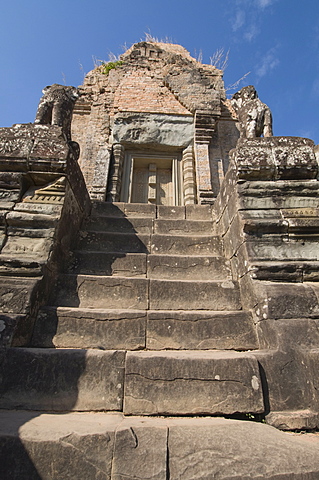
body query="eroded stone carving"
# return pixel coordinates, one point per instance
(254, 116)
(52, 192)
(56, 107)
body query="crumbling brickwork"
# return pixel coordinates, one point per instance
(151, 79)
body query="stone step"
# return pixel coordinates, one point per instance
(186, 245)
(152, 266)
(194, 330)
(194, 295)
(188, 267)
(192, 383)
(157, 244)
(103, 263)
(120, 209)
(120, 224)
(91, 291)
(111, 446)
(142, 210)
(114, 242)
(183, 227)
(61, 379)
(109, 329)
(148, 225)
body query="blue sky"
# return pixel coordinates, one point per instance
(277, 41)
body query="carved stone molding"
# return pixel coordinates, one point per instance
(116, 173)
(189, 177)
(205, 124)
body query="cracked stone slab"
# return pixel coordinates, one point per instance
(186, 245)
(208, 448)
(120, 225)
(90, 328)
(114, 242)
(102, 263)
(140, 450)
(102, 292)
(191, 383)
(108, 209)
(286, 300)
(183, 227)
(188, 267)
(194, 295)
(108, 446)
(61, 379)
(200, 330)
(198, 212)
(34, 445)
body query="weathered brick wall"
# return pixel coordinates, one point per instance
(154, 78)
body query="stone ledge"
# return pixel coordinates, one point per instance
(275, 158)
(111, 446)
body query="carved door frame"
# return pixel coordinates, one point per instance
(177, 174)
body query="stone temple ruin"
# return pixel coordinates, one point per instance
(158, 281)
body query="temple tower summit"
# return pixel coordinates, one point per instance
(154, 127)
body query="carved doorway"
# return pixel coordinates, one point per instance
(151, 179)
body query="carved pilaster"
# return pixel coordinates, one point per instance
(204, 129)
(116, 175)
(189, 176)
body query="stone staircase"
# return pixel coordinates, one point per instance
(145, 322)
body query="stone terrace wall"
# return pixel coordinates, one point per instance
(43, 200)
(267, 212)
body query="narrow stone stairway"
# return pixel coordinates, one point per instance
(141, 350)
(147, 321)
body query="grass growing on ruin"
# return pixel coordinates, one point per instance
(106, 67)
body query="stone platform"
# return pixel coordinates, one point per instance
(102, 446)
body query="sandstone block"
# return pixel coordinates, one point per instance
(293, 420)
(186, 245)
(200, 330)
(286, 300)
(191, 383)
(231, 449)
(276, 157)
(89, 328)
(51, 446)
(120, 225)
(114, 242)
(108, 209)
(140, 210)
(90, 291)
(19, 266)
(140, 450)
(183, 227)
(16, 294)
(102, 263)
(268, 248)
(198, 212)
(61, 380)
(154, 129)
(193, 295)
(187, 267)
(176, 213)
